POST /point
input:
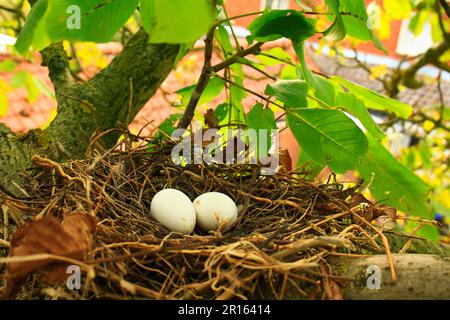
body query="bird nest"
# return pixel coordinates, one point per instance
(94, 214)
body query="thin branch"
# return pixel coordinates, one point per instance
(266, 75)
(228, 19)
(440, 20)
(202, 82)
(206, 74)
(54, 57)
(5, 8)
(446, 7)
(430, 57)
(235, 58)
(251, 91)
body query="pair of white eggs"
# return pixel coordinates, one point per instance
(174, 210)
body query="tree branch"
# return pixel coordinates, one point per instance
(100, 104)
(446, 7)
(206, 74)
(54, 57)
(106, 101)
(202, 82)
(235, 58)
(430, 57)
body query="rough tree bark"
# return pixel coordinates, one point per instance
(100, 104)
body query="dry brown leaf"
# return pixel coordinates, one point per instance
(370, 211)
(285, 159)
(71, 238)
(211, 119)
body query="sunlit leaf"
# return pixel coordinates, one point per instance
(291, 92)
(398, 9)
(213, 89)
(374, 100)
(7, 65)
(176, 21)
(392, 183)
(337, 30)
(323, 89)
(277, 24)
(223, 38)
(29, 30)
(308, 166)
(274, 56)
(3, 98)
(262, 118)
(355, 19)
(350, 103)
(328, 137)
(98, 20)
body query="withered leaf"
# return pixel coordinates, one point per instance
(211, 119)
(370, 211)
(71, 238)
(285, 159)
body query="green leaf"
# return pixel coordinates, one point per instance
(185, 48)
(223, 38)
(328, 137)
(392, 183)
(290, 73)
(354, 17)
(168, 125)
(425, 154)
(277, 24)
(25, 79)
(337, 30)
(19, 79)
(221, 112)
(7, 65)
(262, 118)
(98, 20)
(291, 92)
(29, 30)
(426, 231)
(374, 100)
(237, 108)
(418, 21)
(308, 166)
(350, 103)
(32, 89)
(323, 90)
(238, 76)
(214, 87)
(42, 87)
(278, 54)
(176, 21)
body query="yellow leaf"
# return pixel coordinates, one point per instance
(384, 32)
(51, 118)
(378, 71)
(397, 9)
(3, 98)
(428, 125)
(445, 57)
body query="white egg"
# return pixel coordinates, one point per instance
(174, 210)
(214, 209)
